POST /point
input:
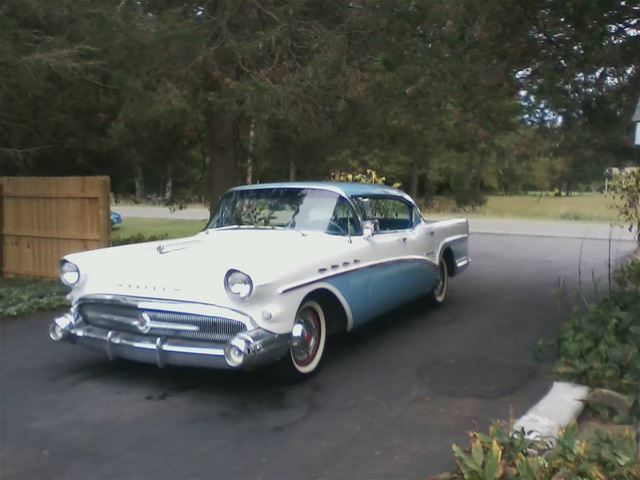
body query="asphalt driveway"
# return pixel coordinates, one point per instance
(388, 403)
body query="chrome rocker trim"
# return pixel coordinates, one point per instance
(257, 347)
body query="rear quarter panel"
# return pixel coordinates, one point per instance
(453, 234)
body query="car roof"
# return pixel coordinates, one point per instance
(344, 188)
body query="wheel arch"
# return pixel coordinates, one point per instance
(448, 257)
(337, 312)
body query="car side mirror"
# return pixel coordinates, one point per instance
(369, 228)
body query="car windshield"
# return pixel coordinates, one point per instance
(290, 208)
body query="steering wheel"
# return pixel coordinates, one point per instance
(338, 227)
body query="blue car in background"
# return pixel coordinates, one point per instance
(116, 219)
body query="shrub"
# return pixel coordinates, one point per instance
(600, 347)
(625, 188)
(368, 176)
(23, 296)
(138, 238)
(501, 456)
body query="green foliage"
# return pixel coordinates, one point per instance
(600, 347)
(183, 99)
(503, 456)
(368, 176)
(23, 296)
(154, 228)
(480, 464)
(138, 238)
(606, 457)
(625, 188)
(500, 454)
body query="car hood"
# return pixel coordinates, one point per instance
(194, 267)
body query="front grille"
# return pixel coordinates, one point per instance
(124, 318)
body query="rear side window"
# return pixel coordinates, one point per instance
(391, 214)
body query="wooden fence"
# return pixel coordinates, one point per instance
(44, 218)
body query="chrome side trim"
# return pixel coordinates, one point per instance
(463, 262)
(359, 266)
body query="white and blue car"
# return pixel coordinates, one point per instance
(278, 269)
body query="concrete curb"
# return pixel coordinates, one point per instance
(550, 235)
(562, 404)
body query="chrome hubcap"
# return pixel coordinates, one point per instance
(305, 337)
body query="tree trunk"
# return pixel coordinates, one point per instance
(292, 169)
(221, 142)
(168, 187)
(252, 135)
(428, 189)
(138, 180)
(413, 190)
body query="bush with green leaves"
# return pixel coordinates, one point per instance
(496, 455)
(367, 176)
(600, 347)
(625, 189)
(138, 238)
(500, 455)
(23, 296)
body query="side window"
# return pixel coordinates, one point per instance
(391, 214)
(344, 220)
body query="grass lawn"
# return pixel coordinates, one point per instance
(154, 227)
(590, 207)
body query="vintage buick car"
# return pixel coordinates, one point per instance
(278, 268)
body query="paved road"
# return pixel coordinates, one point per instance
(564, 229)
(388, 404)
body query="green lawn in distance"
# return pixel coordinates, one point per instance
(132, 226)
(589, 207)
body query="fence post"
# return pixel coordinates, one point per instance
(104, 206)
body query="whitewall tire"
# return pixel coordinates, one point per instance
(439, 293)
(308, 341)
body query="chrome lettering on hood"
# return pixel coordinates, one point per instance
(162, 249)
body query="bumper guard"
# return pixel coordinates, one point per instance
(245, 351)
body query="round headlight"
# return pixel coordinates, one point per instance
(238, 284)
(69, 273)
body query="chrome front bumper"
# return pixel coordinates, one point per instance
(245, 351)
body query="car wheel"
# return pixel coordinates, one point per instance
(439, 293)
(308, 340)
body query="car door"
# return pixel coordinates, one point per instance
(395, 274)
